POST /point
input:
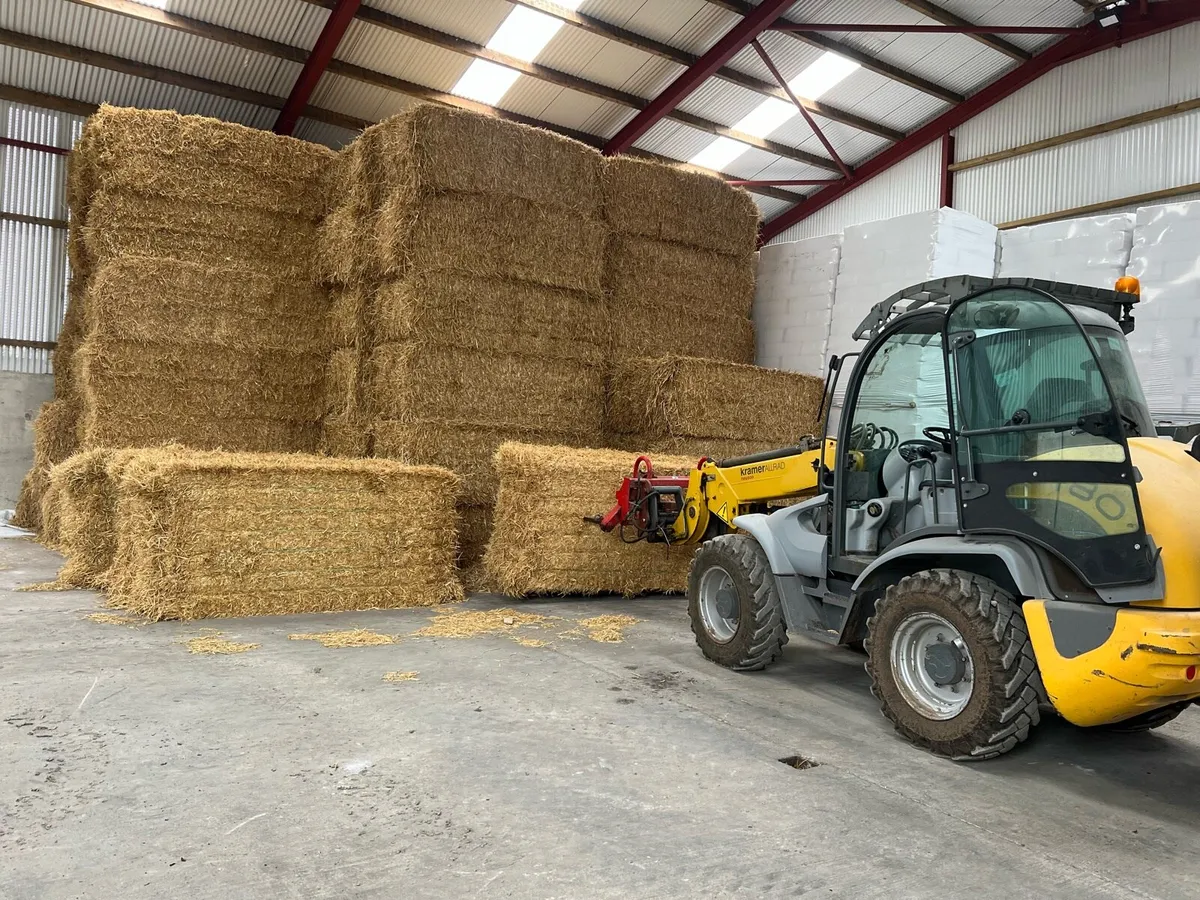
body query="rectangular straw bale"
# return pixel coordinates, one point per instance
(194, 159)
(696, 330)
(171, 395)
(540, 543)
(466, 451)
(346, 437)
(474, 530)
(693, 447)
(70, 336)
(50, 512)
(77, 253)
(430, 147)
(109, 421)
(124, 224)
(676, 396)
(671, 203)
(492, 236)
(347, 316)
(346, 249)
(87, 529)
(243, 308)
(646, 272)
(54, 439)
(409, 382)
(342, 385)
(459, 310)
(213, 535)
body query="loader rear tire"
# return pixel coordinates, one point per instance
(755, 634)
(993, 672)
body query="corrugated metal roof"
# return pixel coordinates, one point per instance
(952, 61)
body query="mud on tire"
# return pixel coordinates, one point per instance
(1006, 685)
(761, 633)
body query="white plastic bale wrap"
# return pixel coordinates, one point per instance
(1166, 339)
(1092, 251)
(793, 303)
(880, 258)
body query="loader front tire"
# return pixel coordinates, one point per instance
(735, 610)
(952, 666)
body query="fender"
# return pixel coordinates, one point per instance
(1017, 557)
(791, 547)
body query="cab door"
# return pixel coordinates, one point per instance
(1040, 444)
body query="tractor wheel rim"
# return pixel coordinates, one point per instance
(935, 688)
(718, 597)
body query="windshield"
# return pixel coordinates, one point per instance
(1048, 374)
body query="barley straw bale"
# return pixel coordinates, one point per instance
(647, 271)
(51, 509)
(465, 450)
(474, 529)
(54, 440)
(671, 203)
(540, 543)
(460, 310)
(676, 396)
(492, 236)
(430, 148)
(192, 159)
(693, 447)
(696, 330)
(348, 317)
(203, 535)
(477, 388)
(70, 336)
(342, 388)
(122, 224)
(108, 421)
(345, 247)
(86, 485)
(344, 437)
(245, 308)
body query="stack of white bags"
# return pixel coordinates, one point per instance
(1166, 340)
(1092, 251)
(793, 303)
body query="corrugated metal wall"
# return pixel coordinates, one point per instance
(1148, 74)
(33, 256)
(912, 186)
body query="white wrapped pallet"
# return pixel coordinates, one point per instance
(880, 258)
(1092, 251)
(1166, 339)
(793, 303)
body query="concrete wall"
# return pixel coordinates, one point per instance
(21, 396)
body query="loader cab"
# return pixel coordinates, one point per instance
(1003, 412)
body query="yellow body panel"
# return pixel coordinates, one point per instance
(1143, 665)
(1170, 496)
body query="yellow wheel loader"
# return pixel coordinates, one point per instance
(996, 522)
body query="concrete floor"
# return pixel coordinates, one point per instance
(130, 768)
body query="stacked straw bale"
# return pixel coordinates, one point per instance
(53, 442)
(474, 248)
(680, 255)
(86, 487)
(200, 319)
(540, 543)
(677, 404)
(205, 534)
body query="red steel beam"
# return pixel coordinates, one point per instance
(1159, 17)
(812, 123)
(754, 23)
(802, 27)
(29, 145)
(947, 192)
(314, 67)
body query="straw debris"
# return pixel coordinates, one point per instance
(215, 645)
(540, 543)
(114, 619)
(357, 637)
(608, 629)
(401, 676)
(472, 623)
